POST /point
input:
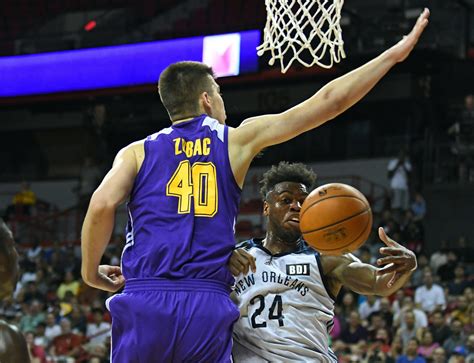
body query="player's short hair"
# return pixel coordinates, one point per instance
(287, 172)
(180, 86)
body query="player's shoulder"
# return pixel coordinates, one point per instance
(250, 243)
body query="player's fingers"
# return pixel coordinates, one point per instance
(392, 251)
(233, 270)
(385, 239)
(245, 259)
(391, 259)
(390, 268)
(114, 270)
(119, 281)
(240, 266)
(250, 260)
(236, 266)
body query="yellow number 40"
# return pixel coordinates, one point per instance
(199, 182)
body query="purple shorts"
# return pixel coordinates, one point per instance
(159, 320)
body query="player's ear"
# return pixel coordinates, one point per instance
(265, 208)
(205, 100)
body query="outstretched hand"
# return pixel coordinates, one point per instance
(403, 48)
(241, 261)
(399, 260)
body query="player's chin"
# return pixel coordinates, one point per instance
(292, 231)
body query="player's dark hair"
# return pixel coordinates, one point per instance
(181, 84)
(287, 172)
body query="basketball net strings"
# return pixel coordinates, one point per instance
(297, 27)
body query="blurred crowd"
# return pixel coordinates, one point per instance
(63, 319)
(430, 320)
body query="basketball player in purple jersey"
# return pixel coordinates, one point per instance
(13, 348)
(183, 184)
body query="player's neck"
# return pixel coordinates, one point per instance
(174, 122)
(276, 244)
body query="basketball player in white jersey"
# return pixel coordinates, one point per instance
(286, 300)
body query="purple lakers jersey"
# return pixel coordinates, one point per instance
(183, 205)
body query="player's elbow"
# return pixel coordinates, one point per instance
(100, 203)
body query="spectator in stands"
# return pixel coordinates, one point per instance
(470, 347)
(439, 257)
(409, 330)
(52, 328)
(456, 338)
(98, 331)
(396, 349)
(397, 302)
(348, 305)
(69, 284)
(459, 283)
(399, 170)
(417, 276)
(421, 320)
(369, 306)
(40, 338)
(33, 315)
(418, 207)
(438, 328)
(31, 293)
(25, 200)
(427, 346)
(430, 296)
(37, 353)
(461, 311)
(411, 353)
(34, 251)
(376, 322)
(439, 355)
(354, 331)
(381, 342)
(78, 319)
(463, 132)
(388, 222)
(67, 344)
(446, 271)
(458, 355)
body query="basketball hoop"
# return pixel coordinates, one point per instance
(307, 31)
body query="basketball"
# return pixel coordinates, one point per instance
(335, 219)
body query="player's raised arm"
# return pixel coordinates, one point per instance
(366, 279)
(99, 221)
(331, 100)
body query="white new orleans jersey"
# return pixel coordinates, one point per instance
(286, 312)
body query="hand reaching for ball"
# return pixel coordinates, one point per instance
(398, 261)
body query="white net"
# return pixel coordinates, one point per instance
(307, 31)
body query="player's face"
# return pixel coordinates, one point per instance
(283, 207)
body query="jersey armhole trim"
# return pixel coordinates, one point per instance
(142, 167)
(323, 277)
(227, 157)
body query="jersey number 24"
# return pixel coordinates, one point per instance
(198, 183)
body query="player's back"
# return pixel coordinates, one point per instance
(183, 205)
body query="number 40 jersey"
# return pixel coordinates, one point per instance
(286, 312)
(183, 205)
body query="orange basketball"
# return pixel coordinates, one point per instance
(335, 219)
